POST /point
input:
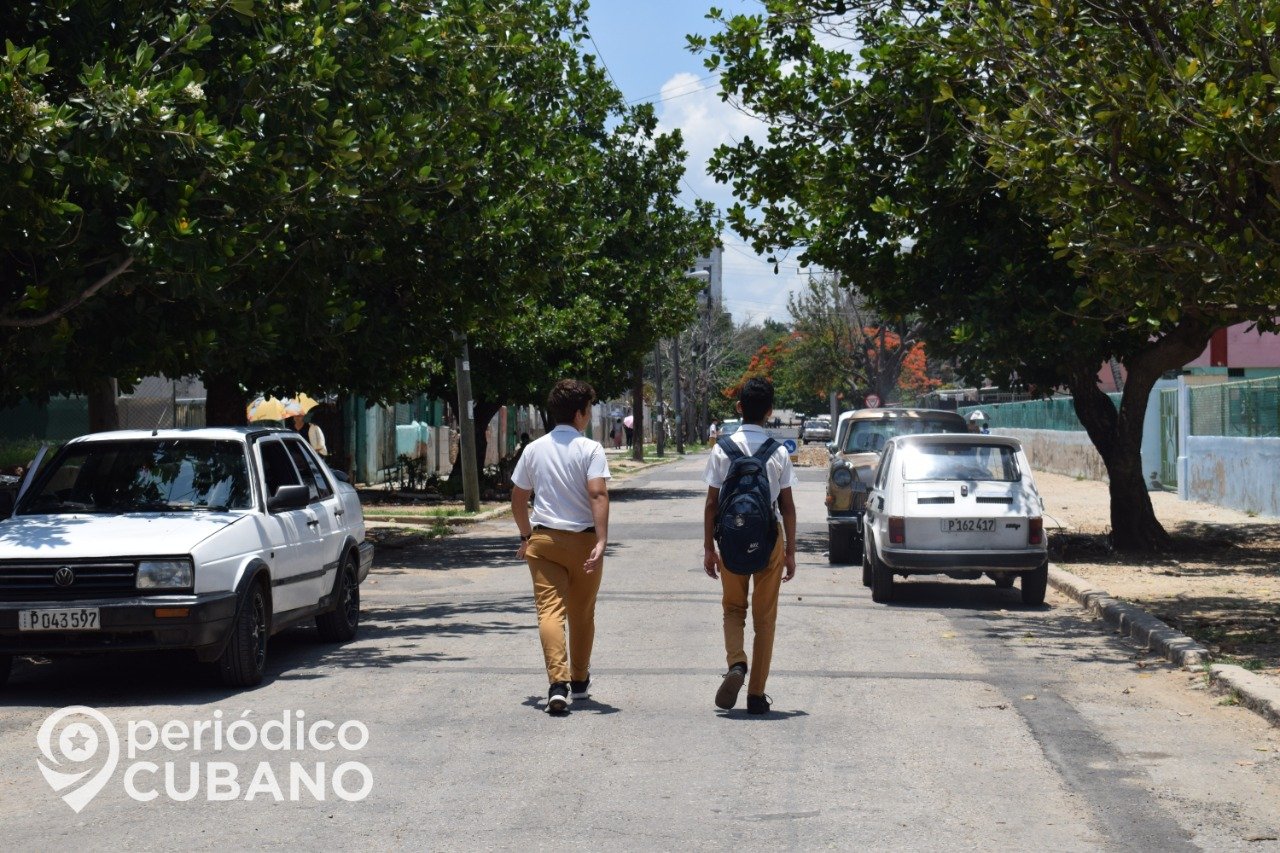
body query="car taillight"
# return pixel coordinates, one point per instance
(897, 531)
(1035, 531)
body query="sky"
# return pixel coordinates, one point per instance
(642, 42)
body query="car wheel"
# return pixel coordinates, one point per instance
(244, 660)
(1033, 585)
(340, 623)
(881, 580)
(6, 666)
(866, 565)
(1004, 581)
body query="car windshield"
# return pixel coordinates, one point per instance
(870, 435)
(992, 462)
(156, 475)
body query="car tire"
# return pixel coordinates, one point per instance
(1034, 584)
(340, 624)
(866, 566)
(243, 661)
(6, 667)
(881, 580)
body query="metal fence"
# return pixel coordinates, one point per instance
(1250, 408)
(1055, 413)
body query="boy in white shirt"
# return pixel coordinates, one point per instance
(755, 404)
(563, 538)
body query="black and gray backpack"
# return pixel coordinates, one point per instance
(746, 529)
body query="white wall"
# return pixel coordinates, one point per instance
(1241, 473)
(1060, 451)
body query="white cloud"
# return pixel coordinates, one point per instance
(693, 104)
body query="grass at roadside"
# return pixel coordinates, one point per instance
(425, 514)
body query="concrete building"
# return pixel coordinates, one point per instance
(713, 264)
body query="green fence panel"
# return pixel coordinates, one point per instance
(1056, 413)
(1248, 408)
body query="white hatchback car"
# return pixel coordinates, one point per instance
(958, 505)
(206, 539)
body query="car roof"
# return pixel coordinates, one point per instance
(977, 439)
(898, 412)
(240, 433)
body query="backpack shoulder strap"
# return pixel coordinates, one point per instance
(764, 451)
(730, 448)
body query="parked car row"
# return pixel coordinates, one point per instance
(210, 540)
(911, 491)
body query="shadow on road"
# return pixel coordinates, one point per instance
(577, 706)
(389, 636)
(771, 717)
(657, 494)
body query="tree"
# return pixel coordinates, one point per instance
(306, 193)
(901, 169)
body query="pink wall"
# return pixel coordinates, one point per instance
(1246, 349)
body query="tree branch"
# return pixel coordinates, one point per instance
(67, 307)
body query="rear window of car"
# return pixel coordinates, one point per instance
(869, 436)
(988, 462)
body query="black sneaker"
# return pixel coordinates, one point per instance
(758, 704)
(558, 698)
(580, 689)
(727, 695)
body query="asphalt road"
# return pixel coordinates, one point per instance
(953, 719)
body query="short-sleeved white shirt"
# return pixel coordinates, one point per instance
(556, 467)
(749, 437)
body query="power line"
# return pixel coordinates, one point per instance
(654, 96)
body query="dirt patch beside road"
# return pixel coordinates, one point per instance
(1220, 585)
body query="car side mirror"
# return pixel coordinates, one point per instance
(289, 497)
(831, 448)
(340, 476)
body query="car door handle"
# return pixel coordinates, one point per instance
(313, 522)
(339, 512)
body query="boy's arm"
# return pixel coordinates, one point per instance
(787, 504)
(598, 493)
(710, 563)
(520, 512)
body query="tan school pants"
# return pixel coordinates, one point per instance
(562, 590)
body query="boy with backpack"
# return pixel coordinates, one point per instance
(751, 516)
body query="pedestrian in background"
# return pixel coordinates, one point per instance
(713, 433)
(563, 537)
(312, 433)
(750, 441)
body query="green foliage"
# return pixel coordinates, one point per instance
(314, 194)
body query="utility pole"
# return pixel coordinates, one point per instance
(659, 426)
(679, 403)
(466, 413)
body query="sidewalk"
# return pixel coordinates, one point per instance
(1220, 584)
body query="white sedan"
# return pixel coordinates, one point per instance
(958, 505)
(208, 539)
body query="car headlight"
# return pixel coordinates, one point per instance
(842, 477)
(165, 574)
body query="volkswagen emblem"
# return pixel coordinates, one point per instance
(64, 576)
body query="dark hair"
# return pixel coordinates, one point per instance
(567, 398)
(756, 398)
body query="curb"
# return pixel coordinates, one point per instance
(1130, 621)
(1257, 693)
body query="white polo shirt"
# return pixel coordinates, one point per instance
(556, 467)
(749, 437)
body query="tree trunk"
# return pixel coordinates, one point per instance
(637, 411)
(103, 413)
(1117, 433)
(224, 402)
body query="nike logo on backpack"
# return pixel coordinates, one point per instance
(755, 546)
